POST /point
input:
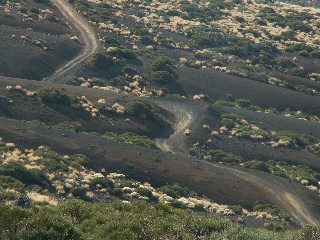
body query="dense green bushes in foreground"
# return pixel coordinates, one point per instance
(80, 220)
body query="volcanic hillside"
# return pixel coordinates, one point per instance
(210, 106)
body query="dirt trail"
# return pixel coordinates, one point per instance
(184, 117)
(87, 34)
(283, 195)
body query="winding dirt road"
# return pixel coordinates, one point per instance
(283, 194)
(87, 35)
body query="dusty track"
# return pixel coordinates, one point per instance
(184, 117)
(283, 195)
(88, 36)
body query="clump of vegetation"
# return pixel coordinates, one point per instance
(70, 126)
(197, 151)
(257, 165)
(79, 160)
(162, 77)
(143, 109)
(103, 182)
(80, 220)
(37, 122)
(270, 208)
(11, 183)
(241, 128)
(247, 104)
(52, 160)
(145, 192)
(163, 70)
(121, 52)
(177, 191)
(24, 175)
(56, 96)
(101, 61)
(222, 156)
(79, 192)
(131, 138)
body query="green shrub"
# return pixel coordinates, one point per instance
(146, 40)
(45, 152)
(70, 126)
(222, 156)
(162, 77)
(122, 52)
(277, 227)
(295, 140)
(163, 64)
(257, 165)
(24, 175)
(52, 160)
(146, 193)
(104, 182)
(12, 183)
(135, 139)
(56, 96)
(80, 159)
(79, 192)
(229, 120)
(197, 152)
(178, 204)
(270, 208)
(37, 122)
(177, 191)
(243, 103)
(236, 209)
(101, 61)
(142, 109)
(118, 192)
(225, 103)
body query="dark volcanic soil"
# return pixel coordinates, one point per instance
(220, 183)
(23, 58)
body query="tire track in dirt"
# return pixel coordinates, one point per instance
(283, 195)
(87, 35)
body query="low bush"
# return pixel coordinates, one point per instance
(79, 192)
(101, 61)
(12, 183)
(118, 220)
(143, 109)
(257, 165)
(131, 138)
(163, 70)
(56, 96)
(229, 120)
(162, 77)
(103, 182)
(146, 193)
(80, 159)
(225, 103)
(270, 208)
(122, 52)
(70, 126)
(177, 191)
(222, 156)
(24, 175)
(197, 152)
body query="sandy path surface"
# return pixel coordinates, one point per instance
(284, 196)
(87, 34)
